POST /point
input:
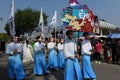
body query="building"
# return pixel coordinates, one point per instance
(106, 28)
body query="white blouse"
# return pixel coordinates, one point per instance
(70, 48)
(11, 46)
(51, 45)
(60, 46)
(38, 46)
(86, 47)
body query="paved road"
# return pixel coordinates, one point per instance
(103, 71)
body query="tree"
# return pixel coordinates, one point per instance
(26, 21)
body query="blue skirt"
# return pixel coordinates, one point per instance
(60, 59)
(72, 70)
(40, 64)
(52, 59)
(87, 70)
(15, 67)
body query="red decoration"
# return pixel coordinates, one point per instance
(87, 27)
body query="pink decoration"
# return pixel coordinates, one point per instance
(73, 1)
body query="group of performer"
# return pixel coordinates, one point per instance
(67, 58)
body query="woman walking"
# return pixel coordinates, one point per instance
(86, 50)
(60, 54)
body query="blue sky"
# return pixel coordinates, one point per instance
(105, 9)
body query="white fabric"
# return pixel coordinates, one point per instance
(86, 47)
(27, 53)
(51, 45)
(60, 46)
(70, 48)
(54, 20)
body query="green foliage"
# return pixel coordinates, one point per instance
(7, 29)
(26, 21)
(4, 36)
(105, 31)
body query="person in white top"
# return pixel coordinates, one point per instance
(72, 66)
(40, 66)
(86, 50)
(15, 66)
(60, 53)
(52, 54)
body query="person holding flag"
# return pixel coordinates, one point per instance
(40, 67)
(15, 66)
(60, 53)
(52, 58)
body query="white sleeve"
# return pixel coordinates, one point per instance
(90, 46)
(75, 47)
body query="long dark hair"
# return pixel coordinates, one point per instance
(27, 42)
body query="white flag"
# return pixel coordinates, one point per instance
(41, 23)
(11, 22)
(53, 22)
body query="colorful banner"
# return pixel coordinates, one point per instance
(78, 17)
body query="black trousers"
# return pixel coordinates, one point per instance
(98, 57)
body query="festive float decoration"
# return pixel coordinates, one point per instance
(79, 17)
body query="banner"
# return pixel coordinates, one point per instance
(79, 18)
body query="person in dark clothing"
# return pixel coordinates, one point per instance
(118, 51)
(114, 52)
(2, 47)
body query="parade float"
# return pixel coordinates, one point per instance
(79, 18)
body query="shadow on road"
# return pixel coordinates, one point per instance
(3, 68)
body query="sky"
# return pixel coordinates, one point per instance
(105, 9)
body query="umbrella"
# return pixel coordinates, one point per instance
(113, 35)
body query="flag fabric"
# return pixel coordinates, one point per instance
(11, 22)
(41, 23)
(53, 22)
(39, 28)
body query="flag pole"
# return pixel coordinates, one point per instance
(41, 22)
(55, 26)
(55, 33)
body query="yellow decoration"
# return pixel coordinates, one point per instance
(75, 24)
(72, 18)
